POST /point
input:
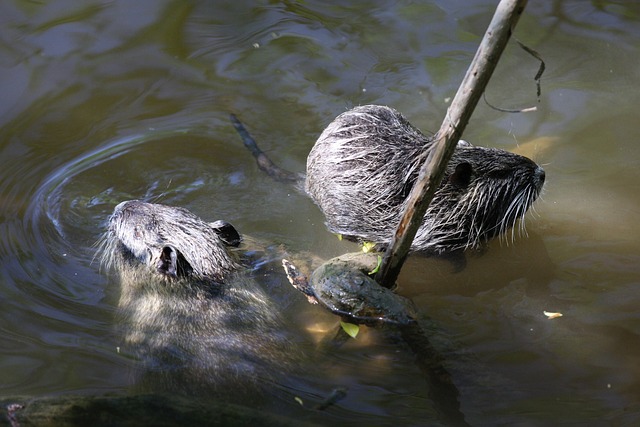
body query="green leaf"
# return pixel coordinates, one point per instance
(351, 329)
(375, 270)
(368, 247)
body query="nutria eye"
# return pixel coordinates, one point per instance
(500, 174)
(168, 262)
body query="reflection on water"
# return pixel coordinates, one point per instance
(109, 101)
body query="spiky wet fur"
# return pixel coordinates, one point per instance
(364, 164)
(207, 325)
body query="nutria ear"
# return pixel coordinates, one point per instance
(461, 177)
(227, 233)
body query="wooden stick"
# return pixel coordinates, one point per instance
(493, 43)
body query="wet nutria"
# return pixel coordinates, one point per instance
(187, 307)
(363, 166)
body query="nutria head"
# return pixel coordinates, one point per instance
(363, 166)
(197, 323)
(170, 241)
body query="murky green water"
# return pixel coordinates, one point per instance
(106, 101)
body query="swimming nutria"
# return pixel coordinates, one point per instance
(363, 166)
(188, 309)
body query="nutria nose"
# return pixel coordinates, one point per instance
(539, 175)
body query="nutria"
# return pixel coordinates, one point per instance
(188, 308)
(363, 166)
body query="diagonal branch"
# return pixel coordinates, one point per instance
(493, 43)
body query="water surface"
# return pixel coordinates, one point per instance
(107, 101)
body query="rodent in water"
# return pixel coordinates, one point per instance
(363, 166)
(187, 307)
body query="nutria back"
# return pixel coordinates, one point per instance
(363, 166)
(187, 308)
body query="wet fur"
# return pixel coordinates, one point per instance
(187, 309)
(364, 164)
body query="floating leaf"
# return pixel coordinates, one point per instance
(297, 399)
(339, 236)
(351, 329)
(552, 315)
